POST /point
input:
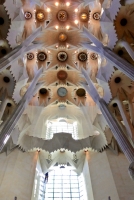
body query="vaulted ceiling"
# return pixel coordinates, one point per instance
(60, 98)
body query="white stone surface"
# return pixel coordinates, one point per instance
(101, 177)
(119, 167)
(17, 171)
(87, 180)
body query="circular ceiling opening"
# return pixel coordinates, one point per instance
(9, 104)
(1, 21)
(123, 22)
(94, 56)
(30, 56)
(120, 52)
(41, 56)
(96, 16)
(81, 92)
(43, 91)
(114, 105)
(82, 56)
(117, 80)
(27, 15)
(3, 51)
(6, 79)
(62, 56)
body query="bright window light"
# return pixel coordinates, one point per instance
(61, 126)
(63, 183)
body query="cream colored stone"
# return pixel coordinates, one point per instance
(119, 167)
(17, 171)
(103, 184)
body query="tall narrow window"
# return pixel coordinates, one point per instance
(63, 184)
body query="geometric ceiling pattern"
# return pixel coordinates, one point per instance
(61, 114)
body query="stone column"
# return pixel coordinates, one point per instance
(119, 62)
(3, 105)
(19, 50)
(112, 57)
(10, 124)
(117, 131)
(122, 140)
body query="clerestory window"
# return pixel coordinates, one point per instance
(61, 126)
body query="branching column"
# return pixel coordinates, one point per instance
(122, 140)
(117, 131)
(112, 57)
(19, 50)
(12, 121)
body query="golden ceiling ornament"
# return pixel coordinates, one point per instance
(62, 56)
(62, 75)
(82, 56)
(28, 15)
(84, 16)
(62, 16)
(41, 56)
(124, 23)
(62, 37)
(40, 15)
(81, 92)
